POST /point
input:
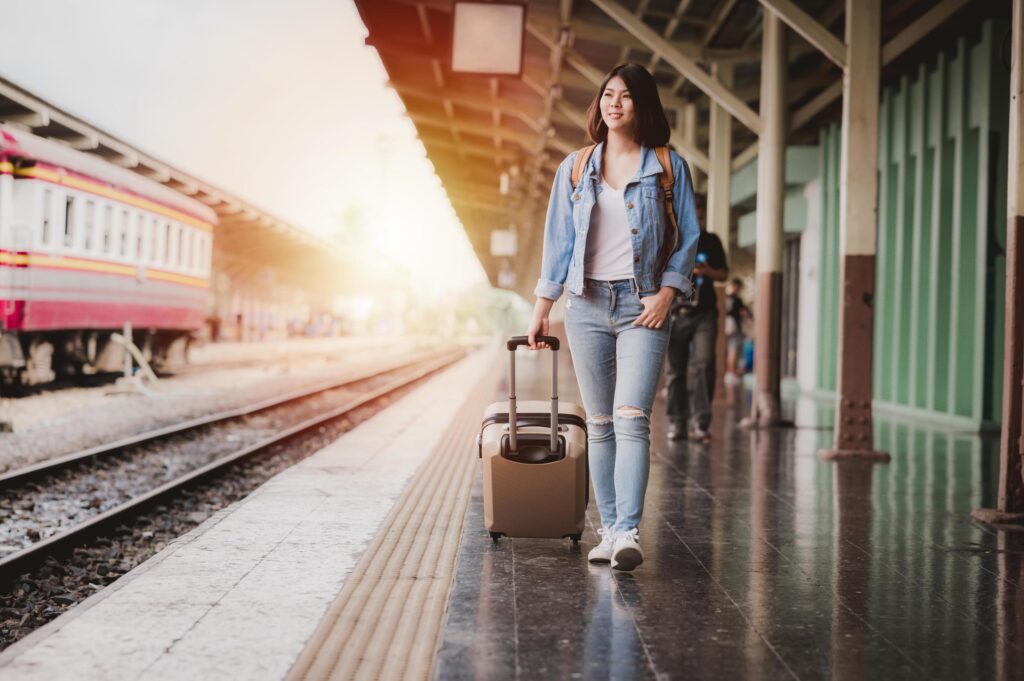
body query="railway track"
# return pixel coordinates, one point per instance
(143, 452)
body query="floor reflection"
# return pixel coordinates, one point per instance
(763, 562)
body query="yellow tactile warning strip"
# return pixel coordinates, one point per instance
(386, 621)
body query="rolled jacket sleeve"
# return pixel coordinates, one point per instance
(679, 270)
(559, 234)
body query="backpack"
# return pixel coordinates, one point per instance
(670, 243)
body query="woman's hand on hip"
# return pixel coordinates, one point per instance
(656, 308)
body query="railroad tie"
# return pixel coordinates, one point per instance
(386, 620)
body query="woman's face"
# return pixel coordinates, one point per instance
(617, 106)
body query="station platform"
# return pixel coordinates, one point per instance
(370, 560)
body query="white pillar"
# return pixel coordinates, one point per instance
(720, 154)
(771, 170)
(858, 216)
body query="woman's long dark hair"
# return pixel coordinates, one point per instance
(651, 128)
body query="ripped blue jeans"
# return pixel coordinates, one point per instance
(617, 366)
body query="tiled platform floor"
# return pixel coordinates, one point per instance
(762, 563)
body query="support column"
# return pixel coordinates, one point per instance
(720, 155)
(719, 180)
(771, 169)
(858, 222)
(1010, 497)
(689, 133)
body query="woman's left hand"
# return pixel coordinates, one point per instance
(656, 308)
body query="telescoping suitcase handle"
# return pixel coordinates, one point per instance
(513, 343)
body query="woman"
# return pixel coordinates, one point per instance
(602, 240)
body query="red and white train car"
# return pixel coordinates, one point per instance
(86, 246)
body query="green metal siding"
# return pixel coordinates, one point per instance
(941, 211)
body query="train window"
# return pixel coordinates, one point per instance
(108, 228)
(90, 225)
(197, 249)
(167, 243)
(140, 236)
(47, 216)
(69, 222)
(126, 226)
(182, 255)
(154, 241)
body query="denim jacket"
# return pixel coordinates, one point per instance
(568, 221)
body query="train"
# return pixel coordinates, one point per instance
(86, 247)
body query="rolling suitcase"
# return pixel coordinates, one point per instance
(536, 481)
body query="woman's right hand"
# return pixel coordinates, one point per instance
(539, 326)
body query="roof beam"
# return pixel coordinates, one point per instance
(29, 119)
(809, 29)
(686, 66)
(479, 205)
(595, 76)
(924, 25)
(610, 35)
(83, 142)
(670, 29)
(469, 148)
(896, 46)
(524, 140)
(473, 101)
(717, 20)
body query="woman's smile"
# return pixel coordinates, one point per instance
(617, 105)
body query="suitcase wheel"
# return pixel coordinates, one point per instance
(575, 539)
(495, 536)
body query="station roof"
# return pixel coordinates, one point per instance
(247, 239)
(475, 128)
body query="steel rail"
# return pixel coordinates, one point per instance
(50, 466)
(22, 561)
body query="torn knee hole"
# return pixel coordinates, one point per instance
(599, 420)
(630, 412)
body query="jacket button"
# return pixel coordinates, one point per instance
(630, 207)
(636, 258)
(634, 231)
(575, 197)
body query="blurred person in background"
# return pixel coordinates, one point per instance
(691, 347)
(737, 316)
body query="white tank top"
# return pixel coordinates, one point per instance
(609, 253)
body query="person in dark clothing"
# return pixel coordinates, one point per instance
(691, 345)
(737, 314)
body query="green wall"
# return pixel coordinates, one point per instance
(941, 230)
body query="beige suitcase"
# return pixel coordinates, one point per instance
(536, 480)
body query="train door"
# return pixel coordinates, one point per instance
(22, 215)
(6, 250)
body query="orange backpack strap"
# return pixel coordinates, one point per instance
(582, 158)
(670, 242)
(668, 180)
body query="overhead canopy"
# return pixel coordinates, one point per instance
(477, 127)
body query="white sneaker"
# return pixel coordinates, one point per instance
(626, 553)
(602, 553)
